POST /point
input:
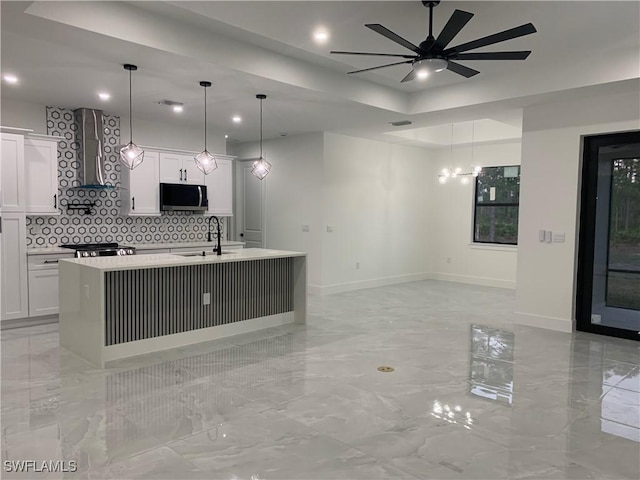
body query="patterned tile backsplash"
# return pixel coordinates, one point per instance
(105, 222)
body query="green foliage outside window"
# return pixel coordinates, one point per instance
(497, 198)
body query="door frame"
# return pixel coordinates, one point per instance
(587, 228)
(238, 201)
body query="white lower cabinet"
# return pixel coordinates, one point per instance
(14, 289)
(43, 292)
(43, 284)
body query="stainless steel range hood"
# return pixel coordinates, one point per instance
(90, 138)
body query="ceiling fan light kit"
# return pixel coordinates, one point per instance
(433, 54)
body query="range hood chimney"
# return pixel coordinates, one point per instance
(90, 138)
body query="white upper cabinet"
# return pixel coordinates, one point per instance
(12, 189)
(41, 176)
(220, 189)
(179, 168)
(192, 174)
(142, 184)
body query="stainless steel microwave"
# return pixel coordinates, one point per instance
(180, 196)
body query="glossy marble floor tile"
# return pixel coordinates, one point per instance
(472, 396)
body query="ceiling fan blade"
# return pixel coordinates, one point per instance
(381, 66)
(461, 69)
(410, 76)
(376, 27)
(376, 54)
(516, 32)
(493, 56)
(456, 22)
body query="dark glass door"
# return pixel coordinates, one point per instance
(609, 257)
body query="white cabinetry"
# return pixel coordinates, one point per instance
(12, 194)
(142, 184)
(14, 265)
(220, 188)
(180, 168)
(41, 176)
(43, 284)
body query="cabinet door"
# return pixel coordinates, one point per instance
(171, 168)
(12, 195)
(43, 292)
(41, 176)
(13, 275)
(144, 186)
(220, 189)
(192, 173)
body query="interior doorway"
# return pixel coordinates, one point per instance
(608, 291)
(250, 201)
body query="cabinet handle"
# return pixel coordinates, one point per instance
(50, 261)
(133, 203)
(55, 201)
(180, 174)
(185, 174)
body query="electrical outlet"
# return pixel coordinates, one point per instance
(596, 318)
(206, 299)
(329, 229)
(305, 228)
(357, 265)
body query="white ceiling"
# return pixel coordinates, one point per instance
(64, 52)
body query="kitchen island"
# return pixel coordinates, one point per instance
(118, 307)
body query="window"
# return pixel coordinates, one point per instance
(496, 205)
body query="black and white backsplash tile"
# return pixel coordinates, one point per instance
(105, 223)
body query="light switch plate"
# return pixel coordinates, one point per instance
(548, 236)
(541, 235)
(206, 299)
(558, 238)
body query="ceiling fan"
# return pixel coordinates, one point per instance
(432, 55)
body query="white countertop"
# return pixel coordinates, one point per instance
(136, 262)
(139, 246)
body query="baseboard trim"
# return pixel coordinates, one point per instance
(362, 284)
(485, 281)
(28, 322)
(541, 321)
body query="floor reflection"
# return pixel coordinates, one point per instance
(491, 370)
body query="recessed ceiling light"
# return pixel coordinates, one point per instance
(178, 108)
(321, 36)
(9, 78)
(236, 119)
(104, 96)
(226, 136)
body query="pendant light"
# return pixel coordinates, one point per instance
(261, 167)
(204, 160)
(131, 154)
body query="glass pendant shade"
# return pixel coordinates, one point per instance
(261, 168)
(131, 155)
(205, 162)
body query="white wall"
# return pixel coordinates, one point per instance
(293, 195)
(375, 197)
(15, 113)
(21, 114)
(455, 258)
(371, 193)
(549, 200)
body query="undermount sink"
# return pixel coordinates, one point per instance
(204, 253)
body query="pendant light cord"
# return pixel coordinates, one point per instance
(130, 112)
(205, 118)
(261, 128)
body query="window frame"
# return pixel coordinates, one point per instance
(497, 204)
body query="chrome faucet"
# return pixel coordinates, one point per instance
(218, 249)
